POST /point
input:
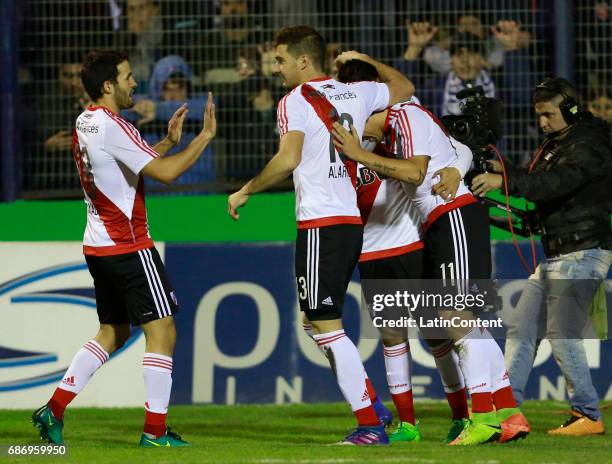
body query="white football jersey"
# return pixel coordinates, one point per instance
(110, 153)
(324, 192)
(391, 223)
(417, 132)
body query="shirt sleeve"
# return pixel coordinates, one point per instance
(124, 143)
(463, 163)
(291, 114)
(414, 128)
(374, 94)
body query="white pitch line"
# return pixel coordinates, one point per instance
(348, 460)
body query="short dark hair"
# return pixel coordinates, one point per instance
(100, 66)
(553, 87)
(303, 40)
(179, 78)
(357, 70)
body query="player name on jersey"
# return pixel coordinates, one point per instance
(325, 194)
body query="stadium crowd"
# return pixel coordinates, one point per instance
(224, 46)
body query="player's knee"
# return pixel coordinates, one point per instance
(160, 335)
(112, 337)
(121, 337)
(326, 326)
(393, 340)
(437, 343)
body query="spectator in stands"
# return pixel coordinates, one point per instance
(600, 104)
(142, 38)
(468, 66)
(216, 57)
(331, 53)
(56, 110)
(283, 13)
(594, 47)
(433, 43)
(267, 54)
(247, 113)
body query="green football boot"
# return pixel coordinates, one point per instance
(49, 428)
(405, 431)
(169, 440)
(483, 428)
(456, 428)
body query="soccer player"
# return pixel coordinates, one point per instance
(457, 245)
(393, 249)
(130, 280)
(330, 231)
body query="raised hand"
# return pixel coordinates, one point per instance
(347, 56)
(420, 33)
(508, 33)
(146, 109)
(60, 141)
(175, 125)
(209, 128)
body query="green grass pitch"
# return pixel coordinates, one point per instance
(294, 434)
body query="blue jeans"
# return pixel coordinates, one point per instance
(542, 309)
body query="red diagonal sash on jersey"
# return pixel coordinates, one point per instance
(328, 114)
(366, 194)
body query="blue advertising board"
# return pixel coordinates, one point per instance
(240, 337)
(241, 341)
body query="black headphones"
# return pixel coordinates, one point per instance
(568, 106)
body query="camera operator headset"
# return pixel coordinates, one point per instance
(570, 176)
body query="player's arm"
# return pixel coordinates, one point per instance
(163, 146)
(278, 169)
(407, 170)
(400, 87)
(450, 177)
(167, 169)
(374, 126)
(280, 166)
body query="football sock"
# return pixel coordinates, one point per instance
(310, 332)
(83, 366)
(502, 391)
(504, 398)
(350, 374)
(398, 365)
(447, 363)
(371, 390)
(157, 373)
(473, 352)
(308, 329)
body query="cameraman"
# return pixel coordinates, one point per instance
(569, 180)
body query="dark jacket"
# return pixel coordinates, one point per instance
(571, 186)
